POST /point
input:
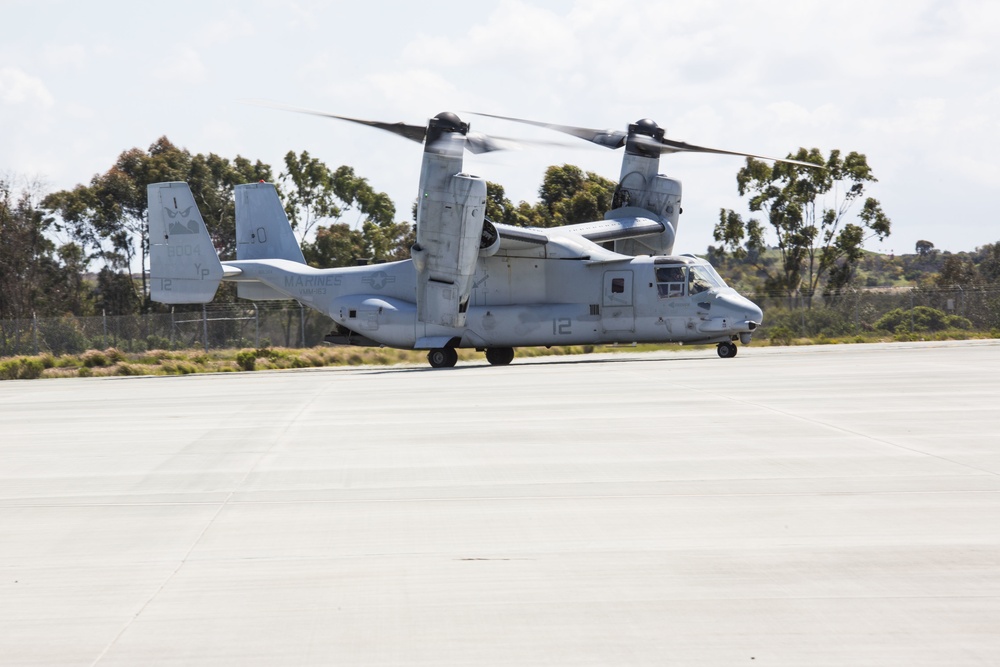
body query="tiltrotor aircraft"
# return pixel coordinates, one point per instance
(471, 282)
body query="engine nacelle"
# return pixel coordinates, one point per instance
(449, 234)
(489, 242)
(661, 196)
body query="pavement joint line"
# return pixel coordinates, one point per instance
(357, 501)
(215, 515)
(842, 429)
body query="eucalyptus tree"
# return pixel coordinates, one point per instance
(809, 212)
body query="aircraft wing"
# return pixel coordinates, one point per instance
(616, 229)
(519, 237)
(628, 224)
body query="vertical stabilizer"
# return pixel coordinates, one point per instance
(184, 266)
(262, 228)
(262, 232)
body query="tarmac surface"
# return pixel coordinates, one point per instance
(828, 505)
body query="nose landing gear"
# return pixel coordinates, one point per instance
(727, 349)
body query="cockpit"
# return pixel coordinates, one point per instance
(685, 279)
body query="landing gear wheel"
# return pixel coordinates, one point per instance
(727, 350)
(442, 357)
(500, 356)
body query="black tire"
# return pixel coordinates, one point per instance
(442, 357)
(727, 350)
(500, 356)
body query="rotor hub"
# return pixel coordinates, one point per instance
(446, 121)
(646, 127)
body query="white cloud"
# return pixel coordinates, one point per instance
(182, 64)
(20, 88)
(66, 55)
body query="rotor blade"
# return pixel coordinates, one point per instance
(606, 138)
(671, 146)
(477, 142)
(411, 132)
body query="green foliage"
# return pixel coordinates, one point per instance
(780, 335)
(21, 368)
(246, 360)
(568, 196)
(318, 194)
(920, 318)
(816, 244)
(36, 278)
(108, 214)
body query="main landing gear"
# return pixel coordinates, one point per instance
(446, 357)
(442, 357)
(727, 349)
(500, 356)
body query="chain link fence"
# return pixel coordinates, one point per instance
(894, 310)
(289, 324)
(214, 326)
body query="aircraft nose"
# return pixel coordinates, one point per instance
(741, 309)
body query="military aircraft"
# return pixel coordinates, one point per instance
(471, 282)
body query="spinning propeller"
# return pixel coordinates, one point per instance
(431, 133)
(644, 137)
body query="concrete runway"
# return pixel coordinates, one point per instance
(829, 505)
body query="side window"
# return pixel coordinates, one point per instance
(670, 281)
(617, 285)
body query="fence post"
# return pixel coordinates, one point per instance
(204, 326)
(104, 321)
(34, 331)
(911, 310)
(256, 325)
(302, 323)
(857, 311)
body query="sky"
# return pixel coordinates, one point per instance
(912, 84)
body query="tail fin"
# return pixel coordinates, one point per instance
(262, 228)
(183, 264)
(262, 232)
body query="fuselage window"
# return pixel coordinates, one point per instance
(670, 281)
(617, 285)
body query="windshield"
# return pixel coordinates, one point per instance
(703, 278)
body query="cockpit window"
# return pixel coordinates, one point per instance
(702, 279)
(673, 281)
(670, 281)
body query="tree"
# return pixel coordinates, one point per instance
(569, 196)
(924, 248)
(957, 271)
(317, 194)
(988, 262)
(311, 197)
(815, 241)
(108, 216)
(36, 278)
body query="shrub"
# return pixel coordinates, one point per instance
(920, 318)
(780, 335)
(247, 360)
(22, 368)
(94, 358)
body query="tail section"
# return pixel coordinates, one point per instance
(262, 228)
(262, 232)
(184, 266)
